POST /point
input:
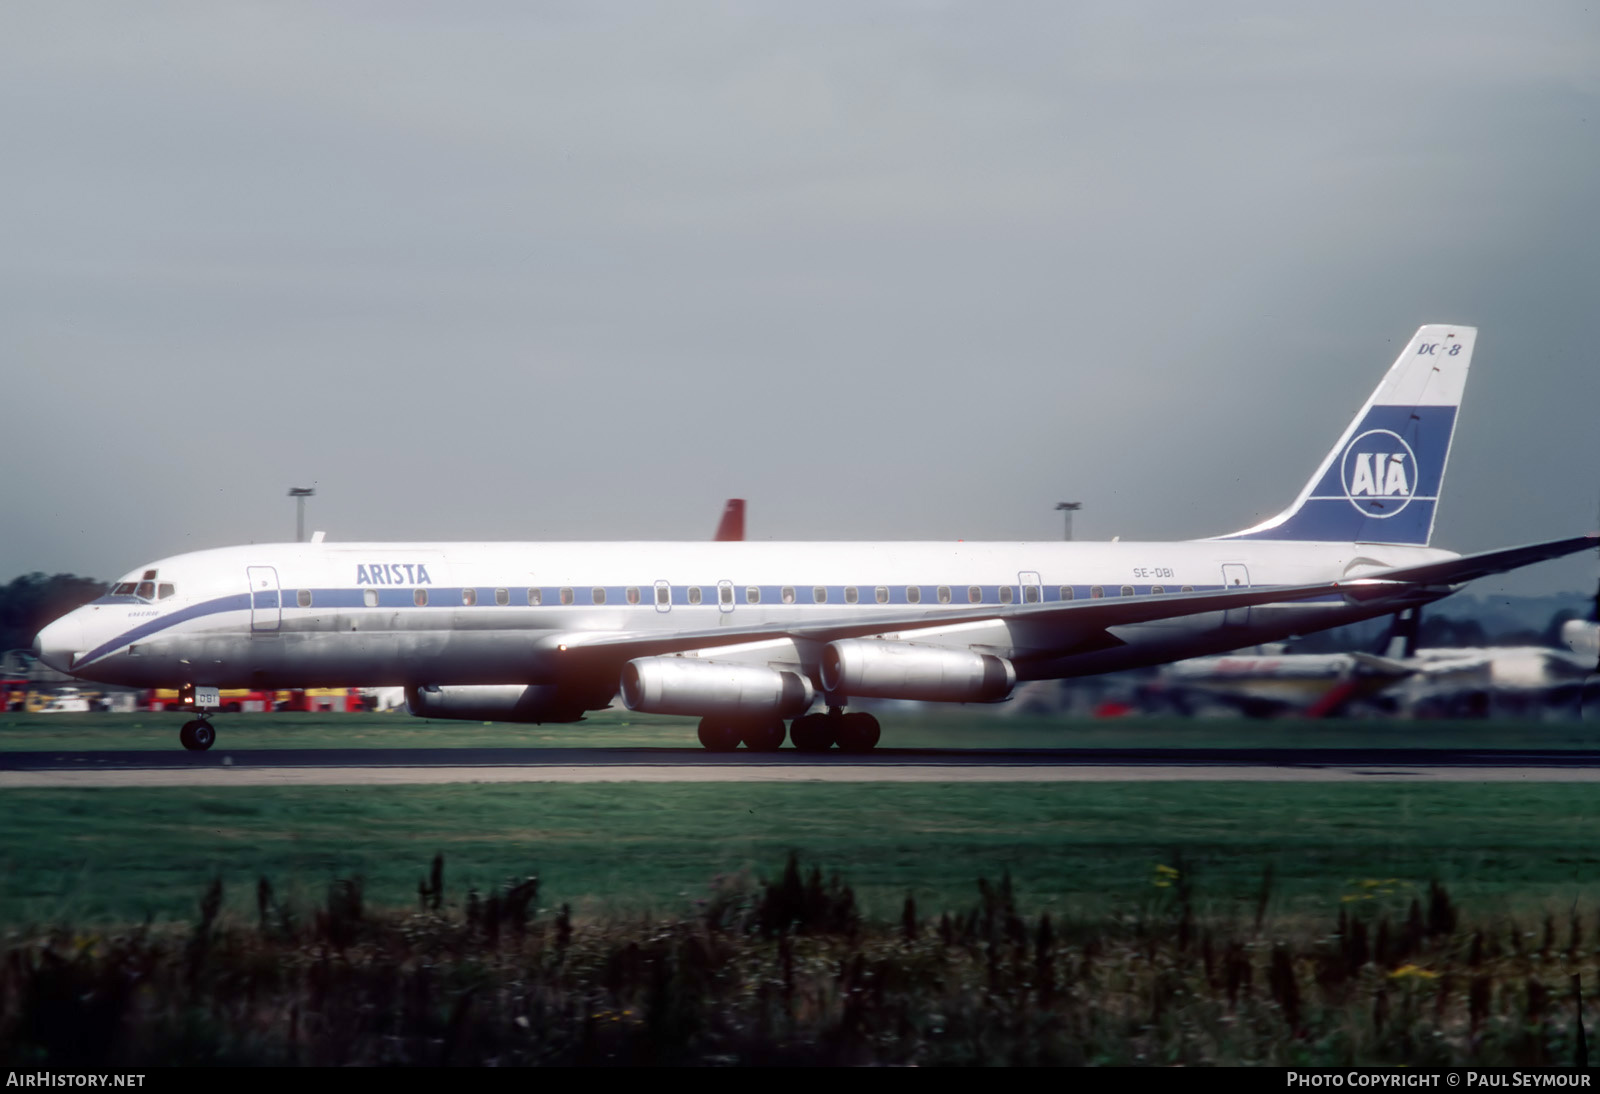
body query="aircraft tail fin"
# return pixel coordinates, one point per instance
(1380, 482)
(730, 529)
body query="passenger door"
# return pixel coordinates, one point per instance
(266, 603)
(1235, 575)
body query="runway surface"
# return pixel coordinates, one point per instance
(350, 766)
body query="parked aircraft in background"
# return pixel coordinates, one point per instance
(1466, 681)
(1483, 680)
(747, 635)
(1260, 684)
(731, 528)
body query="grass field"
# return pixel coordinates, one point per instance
(1080, 850)
(107, 855)
(1138, 923)
(903, 728)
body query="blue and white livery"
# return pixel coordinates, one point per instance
(747, 636)
(1380, 483)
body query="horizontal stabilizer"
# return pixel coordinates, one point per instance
(1470, 567)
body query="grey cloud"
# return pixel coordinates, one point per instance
(894, 271)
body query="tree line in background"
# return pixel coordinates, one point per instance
(33, 600)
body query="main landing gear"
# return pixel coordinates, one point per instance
(810, 733)
(725, 735)
(198, 735)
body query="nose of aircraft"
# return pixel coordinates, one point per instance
(58, 642)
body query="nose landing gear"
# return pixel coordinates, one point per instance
(198, 735)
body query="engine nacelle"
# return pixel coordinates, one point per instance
(869, 669)
(687, 685)
(498, 703)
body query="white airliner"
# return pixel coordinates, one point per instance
(1318, 685)
(747, 635)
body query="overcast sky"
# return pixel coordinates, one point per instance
(889, 271)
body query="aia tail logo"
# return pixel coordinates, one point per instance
(1380, 473)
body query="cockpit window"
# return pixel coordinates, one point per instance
(164, 590)
(146, 590)
(123, 588)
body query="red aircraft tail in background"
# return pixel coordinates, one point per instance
(731, 529)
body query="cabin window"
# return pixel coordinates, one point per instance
(850, 594)
(1030, 594)
(694, 594)
(1127, 590)
(164, 590)
(502, 596)
(535, 597)
(469, 597)
(146, 590)
(1066, 592)
(1187, 589)
(420, 598)
(1157, 590)
(819, 594)
(597, 595)
(944, 594)
(881, 594)
(632, 595)
(302, 597)
(369, 597)
(787, 595)
(913, 594)
(663, 595)
(1005, 594)
(752, 595)
(974, 594)
(725, 595)
(566, 594)
(1096, 592)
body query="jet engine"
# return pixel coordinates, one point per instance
(870, 669)
(500, 703)
(685, 685)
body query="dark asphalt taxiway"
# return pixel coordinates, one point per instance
(431, 765)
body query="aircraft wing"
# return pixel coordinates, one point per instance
(1469, 567)
(1089, 616)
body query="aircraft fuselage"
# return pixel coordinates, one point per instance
(315, 615)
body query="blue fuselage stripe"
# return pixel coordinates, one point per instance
(615, 596)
